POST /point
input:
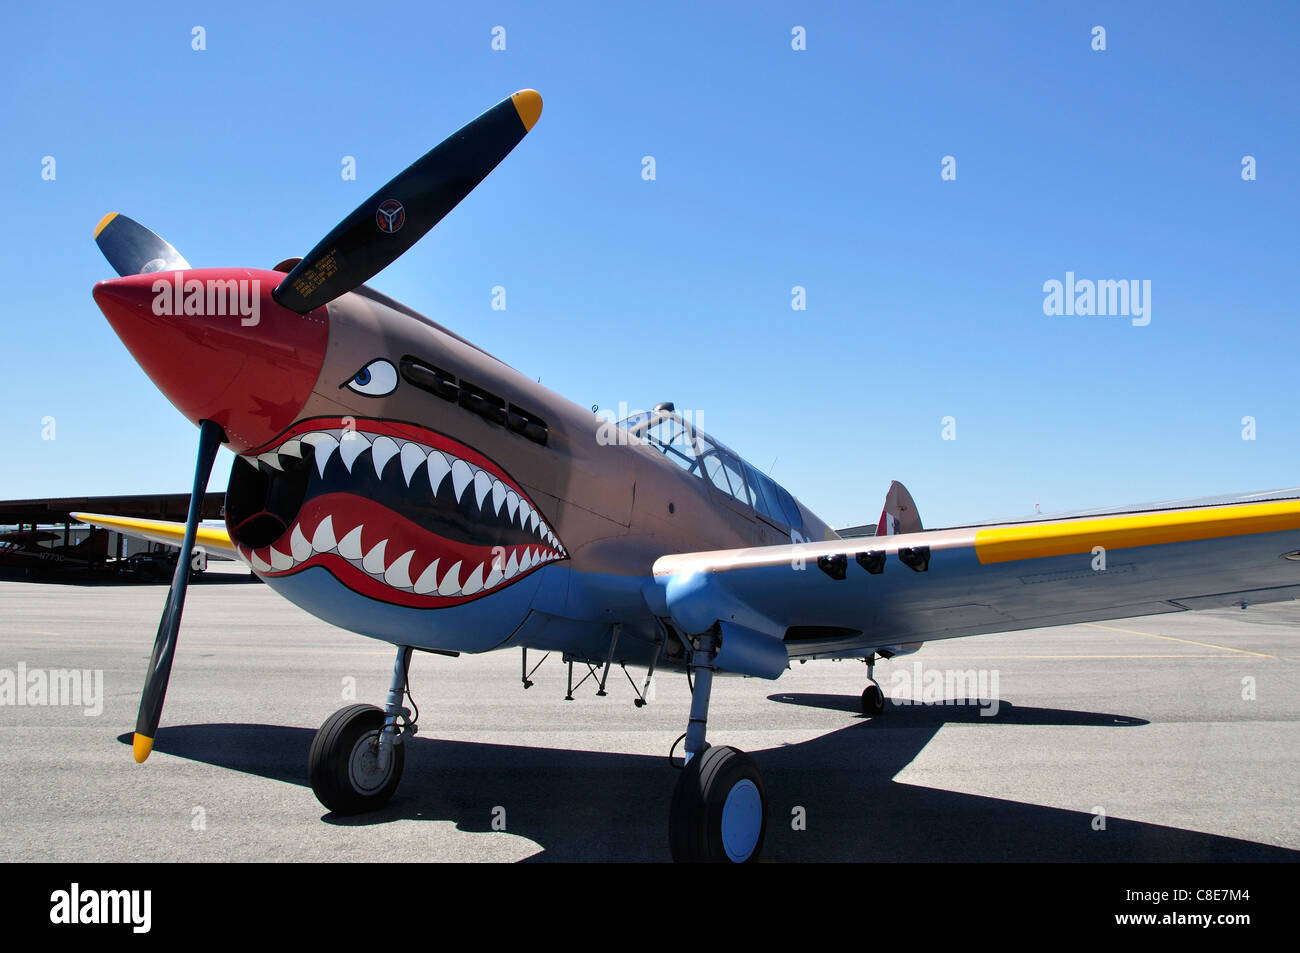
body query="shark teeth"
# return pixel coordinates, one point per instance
(350, 447)
(493, 495)
(349, 444)
(350, 545)
(374, 561)
(381, 451)
(396, 572)
(299, 545)
(474, 583)
(439, 467)
(428, 581)
(323, 539)
(482, 486)
(461, 477)
(412, 457)
(325, 444)
(398, 575)
(450, 585)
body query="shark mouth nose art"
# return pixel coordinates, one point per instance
(392, 510)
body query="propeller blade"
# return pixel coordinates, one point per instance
(134, 250)
(164, 647)
(399, 214)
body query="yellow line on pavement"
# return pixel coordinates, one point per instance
(1207, 645)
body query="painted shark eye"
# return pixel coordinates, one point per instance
(374, 380)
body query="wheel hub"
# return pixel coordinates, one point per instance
(364, 771)
(742, 820)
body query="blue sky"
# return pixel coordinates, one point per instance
(775, 168)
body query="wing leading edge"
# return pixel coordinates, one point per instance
(846, 597)
(214, 539)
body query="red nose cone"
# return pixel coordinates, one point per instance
(217, 344)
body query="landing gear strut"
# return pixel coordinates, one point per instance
(719, 806)
(873, 699)
(356, 758)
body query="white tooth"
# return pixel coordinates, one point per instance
(412, 457)
(512, 503)
(498, 495)
(461, 475)
(374, 561)
(428, 580)
(271, 459)
(474, 583)
(299, 545)
(494, 577)
(350, 447)
(293, 448)
(381, 451)
(438, 468)
(482, 484)
(525, 513)
(350, 545)
(325, 445)
(398, 575)
(451, 582)
(259, 564)
(280, 561)
(323, 539)
(529, 560)
(512, 566)
(533, 521)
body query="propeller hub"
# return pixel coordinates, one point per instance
(219, 346)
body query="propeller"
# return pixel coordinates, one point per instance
(134, 250)
(397, 216)
(363, 244)
(164, 646)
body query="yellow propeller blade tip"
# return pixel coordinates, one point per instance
(528, 103)
(141, 747)
(103, 223)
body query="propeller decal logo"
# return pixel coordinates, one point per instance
(390, 216)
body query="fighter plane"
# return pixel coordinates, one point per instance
(396, 480)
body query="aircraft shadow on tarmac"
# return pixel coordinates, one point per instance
(585, 805)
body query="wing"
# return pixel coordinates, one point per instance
(844, 598)
(214, 539)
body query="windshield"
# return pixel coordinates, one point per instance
(698, 453)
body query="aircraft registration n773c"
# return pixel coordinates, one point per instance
(396, 480)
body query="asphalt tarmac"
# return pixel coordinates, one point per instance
(1163, 738)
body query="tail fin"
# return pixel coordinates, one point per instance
(899, 514)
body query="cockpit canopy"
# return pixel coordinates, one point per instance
(695, 452)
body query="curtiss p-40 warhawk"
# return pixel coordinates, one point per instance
(398, 481)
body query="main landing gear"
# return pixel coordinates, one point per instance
(719, 807)
(356, 758)
(873, 699)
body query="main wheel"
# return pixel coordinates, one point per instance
(873, 700)
(719, 809)
(344, 762)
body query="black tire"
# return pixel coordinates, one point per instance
(331, 762)
(695, 821)
(873, 700)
